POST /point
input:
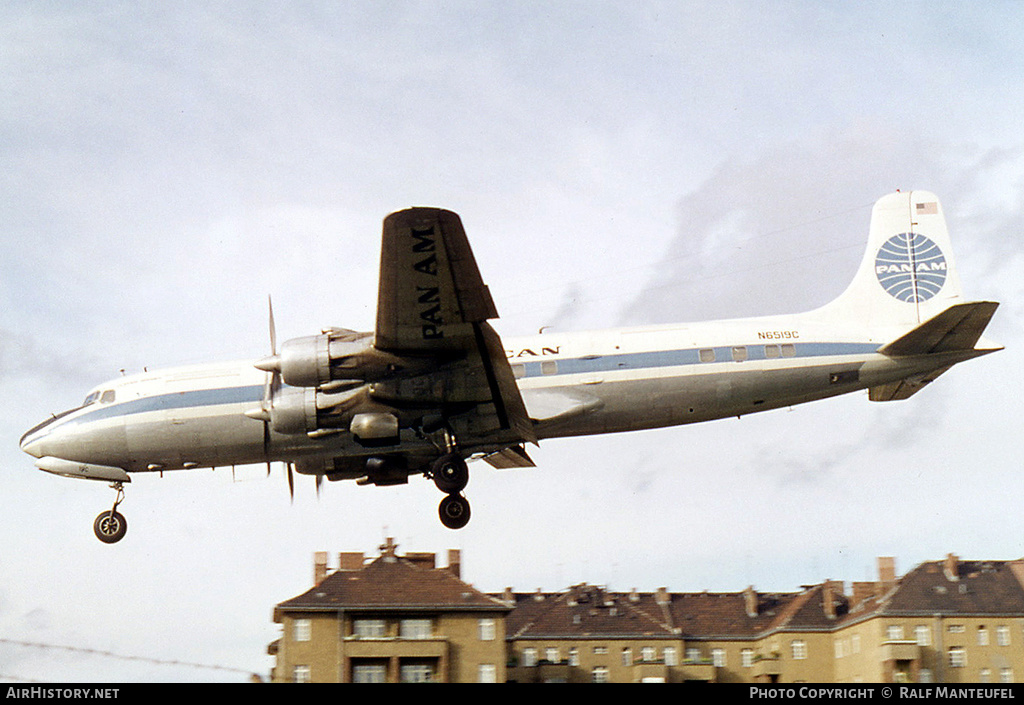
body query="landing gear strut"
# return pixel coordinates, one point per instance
(451, 475)
(110, 526)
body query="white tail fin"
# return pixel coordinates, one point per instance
(908, 273)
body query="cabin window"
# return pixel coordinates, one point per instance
(519, 371)
(739, 354)
(549, 367)
(707, 355)
(771, 351)
(788, 350)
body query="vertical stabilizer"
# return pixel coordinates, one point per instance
(908, 274)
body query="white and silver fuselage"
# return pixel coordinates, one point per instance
(572, 384)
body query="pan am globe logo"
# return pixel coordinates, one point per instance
(910, 267)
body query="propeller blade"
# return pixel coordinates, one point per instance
(291, 481)
(273, 328)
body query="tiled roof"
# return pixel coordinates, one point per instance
(394, 584)
(587, 611)
(959, 587)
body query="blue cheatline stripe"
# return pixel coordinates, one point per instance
(678, 358)
(176, 400)
(253, 394)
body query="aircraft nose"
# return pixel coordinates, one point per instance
(33, 444)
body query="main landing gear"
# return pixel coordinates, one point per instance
(110, 526)
(451, 475)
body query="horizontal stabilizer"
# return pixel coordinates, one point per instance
(957, 328)
(951, 334)
(904, 388)
(512, 457)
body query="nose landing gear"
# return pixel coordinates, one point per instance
(111, 526)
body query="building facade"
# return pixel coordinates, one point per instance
(400, 618)
(392, 619)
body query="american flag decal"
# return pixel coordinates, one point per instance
(931, 208)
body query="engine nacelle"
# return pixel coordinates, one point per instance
(336, 355)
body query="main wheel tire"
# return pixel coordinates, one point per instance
(110, 527)
(454, 511)
(450, 473)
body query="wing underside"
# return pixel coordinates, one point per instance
(433, 304)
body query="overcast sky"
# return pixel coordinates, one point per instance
(167, 166)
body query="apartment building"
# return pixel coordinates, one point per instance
(390, 619)
(400, 618)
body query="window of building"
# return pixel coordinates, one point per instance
(488, 631)
(1006, 675)
(530, 656)
(692, 654)
(599, 674)
(957, 657)
(799, 647)
(574, 656)
(982, 636)
(955, 629)
(369, 673)
(487, 673)
(416, 673)
(894, 632)
(925, 675)
(627, 656)
(985, 676)
(302, 629)
(415, 629)
(301, 674)
(922, 635)
(670, 656)
(855, 643)
(1003, 636)
(600, 650)
(747, 658)
(368, 628)
(648, 654)
(718, 658)
(551, 654)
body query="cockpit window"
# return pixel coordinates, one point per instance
(107, 396)
(91, 398)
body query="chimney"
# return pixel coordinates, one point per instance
(830, 591)
(350, 561)
(861, 592)
(750, 601)
(662, 597)
(455, 562)
(508, 596)
(951, 567)
(319, 567)
(886, 572)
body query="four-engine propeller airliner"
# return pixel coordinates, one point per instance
(434, 386)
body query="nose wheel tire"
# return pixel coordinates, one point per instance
(454, 511)
(110, 526)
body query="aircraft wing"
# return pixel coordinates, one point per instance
(433, 304)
